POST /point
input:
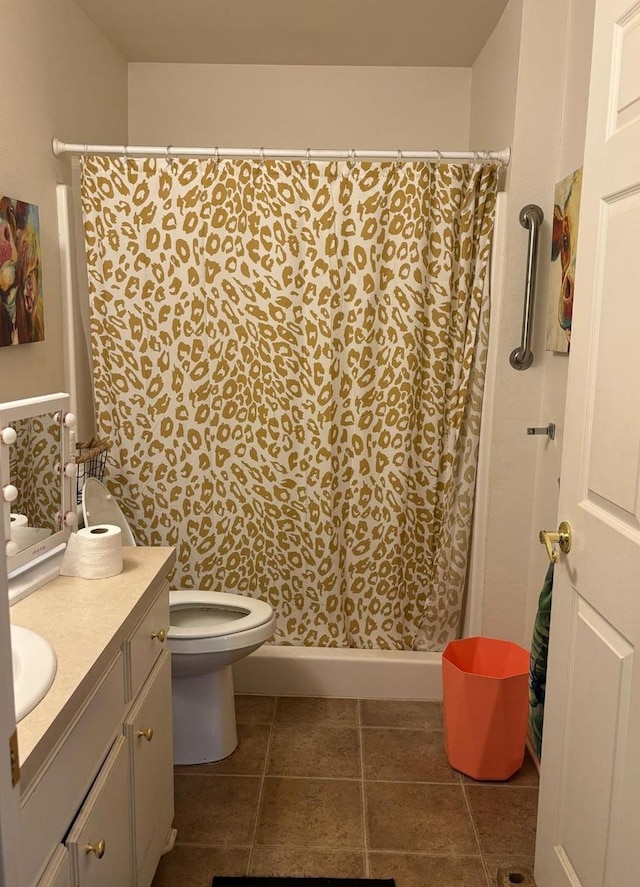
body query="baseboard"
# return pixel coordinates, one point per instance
(172, 834)
(532, 752)
(330, 671)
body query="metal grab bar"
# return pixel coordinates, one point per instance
(531, 217)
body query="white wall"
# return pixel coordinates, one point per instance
(60, 77)
(555, 366)
(494, 82)
(548, 120)
(299, 107)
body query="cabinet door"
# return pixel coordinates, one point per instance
(100, 838)
(57, 873)
(148, 641)
(149, 730)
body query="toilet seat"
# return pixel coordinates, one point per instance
(99, 507)
(251, 622)
(245, 613)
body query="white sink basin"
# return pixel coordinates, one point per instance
(34, 668)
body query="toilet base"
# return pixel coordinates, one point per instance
(204, 717)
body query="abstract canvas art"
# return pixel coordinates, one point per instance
(564, 242)
(21, 304)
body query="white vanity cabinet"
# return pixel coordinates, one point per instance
(97, 806)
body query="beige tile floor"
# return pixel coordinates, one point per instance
(346, 788)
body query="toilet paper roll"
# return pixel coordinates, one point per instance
(19, 520)
(93, 553)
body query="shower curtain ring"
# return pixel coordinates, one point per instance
(262, 158)
(216, 156)
(399, 159)
(308, 160)
(351, 162)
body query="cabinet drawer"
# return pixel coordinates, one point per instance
(145, 646)
(54, 797)
(57, 873)
(100, 839)
(152, 768)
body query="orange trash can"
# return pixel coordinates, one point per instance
(486, 706)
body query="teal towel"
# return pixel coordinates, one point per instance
(538, 662)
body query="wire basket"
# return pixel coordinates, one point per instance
(91, 459)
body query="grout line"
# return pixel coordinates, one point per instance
(425, 853)
(363, 794)
(417, 729)
(221, 775)
(486, 870)
(306, 848)
(452, 782)
(463, 785)
(310, 725)
(214, 846)
(261, 792)
(347, 849)
(500, 786)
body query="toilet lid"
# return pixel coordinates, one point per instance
(99, 507)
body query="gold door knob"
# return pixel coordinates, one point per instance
(146, 734)
(97, 849)
(562, 539)
(160, 635)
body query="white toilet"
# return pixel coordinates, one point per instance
(208, 631)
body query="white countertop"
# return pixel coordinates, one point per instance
(85, 621)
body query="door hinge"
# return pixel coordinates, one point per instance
(15, 759)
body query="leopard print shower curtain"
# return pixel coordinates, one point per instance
(289, 358)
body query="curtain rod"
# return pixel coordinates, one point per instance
(59, 148)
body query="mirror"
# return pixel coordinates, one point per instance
(37, 478)
(33, 461)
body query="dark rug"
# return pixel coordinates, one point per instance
(299, 882)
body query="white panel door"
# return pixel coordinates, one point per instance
(589, 817)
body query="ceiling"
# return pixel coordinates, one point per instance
(298, 32)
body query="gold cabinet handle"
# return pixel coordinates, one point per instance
(160, 635)
(146, 734)
(562, 539)
(97, 849)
